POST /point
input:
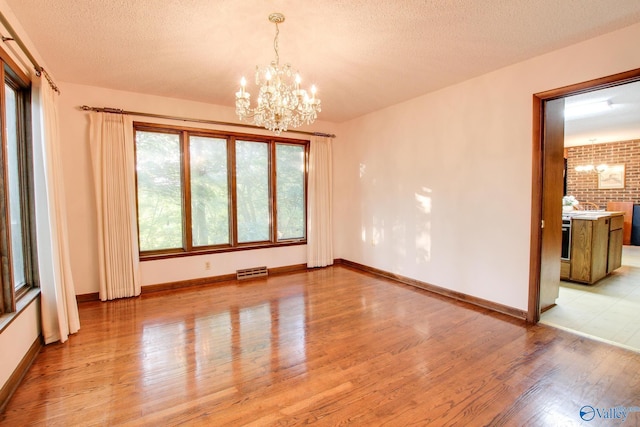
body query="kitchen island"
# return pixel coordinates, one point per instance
(596, 246)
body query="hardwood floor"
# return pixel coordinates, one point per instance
(327, 347)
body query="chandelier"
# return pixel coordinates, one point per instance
(281, 104)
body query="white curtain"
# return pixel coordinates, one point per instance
(58, 299)
(320, 207)
(112, 153)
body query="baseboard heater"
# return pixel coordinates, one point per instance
(250, 273)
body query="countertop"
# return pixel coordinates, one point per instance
(592, 215)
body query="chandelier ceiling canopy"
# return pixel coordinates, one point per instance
(281, 104)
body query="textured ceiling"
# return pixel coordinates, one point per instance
(362, 55)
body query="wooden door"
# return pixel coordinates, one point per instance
(552, 189)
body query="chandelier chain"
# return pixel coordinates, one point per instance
(275, 45)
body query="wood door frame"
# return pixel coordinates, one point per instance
(537, 196)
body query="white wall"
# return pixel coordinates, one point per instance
(16, 340)
(74, 128)
(439, 188)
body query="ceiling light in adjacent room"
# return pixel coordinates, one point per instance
(281, 104)
(585, 168)
(574, 111)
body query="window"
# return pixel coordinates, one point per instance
(159, 190)
(252, 191)
(290, 179)
(203, 191)
(15, 188)
(209, 191)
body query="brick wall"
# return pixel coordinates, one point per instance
(584, 185)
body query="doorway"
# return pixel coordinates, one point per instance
(601, 135)
(548, 164)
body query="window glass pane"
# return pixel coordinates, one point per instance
(159, 190)
(15, 206)
(209, 191)
(290, 191)
(252, 191)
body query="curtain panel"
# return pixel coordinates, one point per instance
(320, 204)
(112, 154)
(59, 308)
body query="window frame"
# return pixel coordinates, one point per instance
(11, 75)
(188, 249)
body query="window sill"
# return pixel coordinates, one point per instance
(21, 305)
(157, 256)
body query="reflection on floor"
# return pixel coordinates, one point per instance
(608, 310)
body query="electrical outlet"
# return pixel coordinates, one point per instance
(207, 265)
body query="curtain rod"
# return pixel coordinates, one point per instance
(186, 119)
(14, 36)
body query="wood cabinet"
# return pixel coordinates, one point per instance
(627, 209)
(565, 269)
(589, 249)
(596, 248)
(616, 238)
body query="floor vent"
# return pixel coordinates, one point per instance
(250, 273)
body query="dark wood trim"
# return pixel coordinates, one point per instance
(273, 193)
(93, 296)
(18, 374)
(157, 127)
(591, 85)
(547, 308)
(247, 247)
(630, 76)
(187, 248)
(8, 291)
(307, 155)
(185, 184)
(275, 271)
(533, 309)
(459, 296)
(16, 71)
(274, 186)
(187, 283)
(25, 178)
(232, 196)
